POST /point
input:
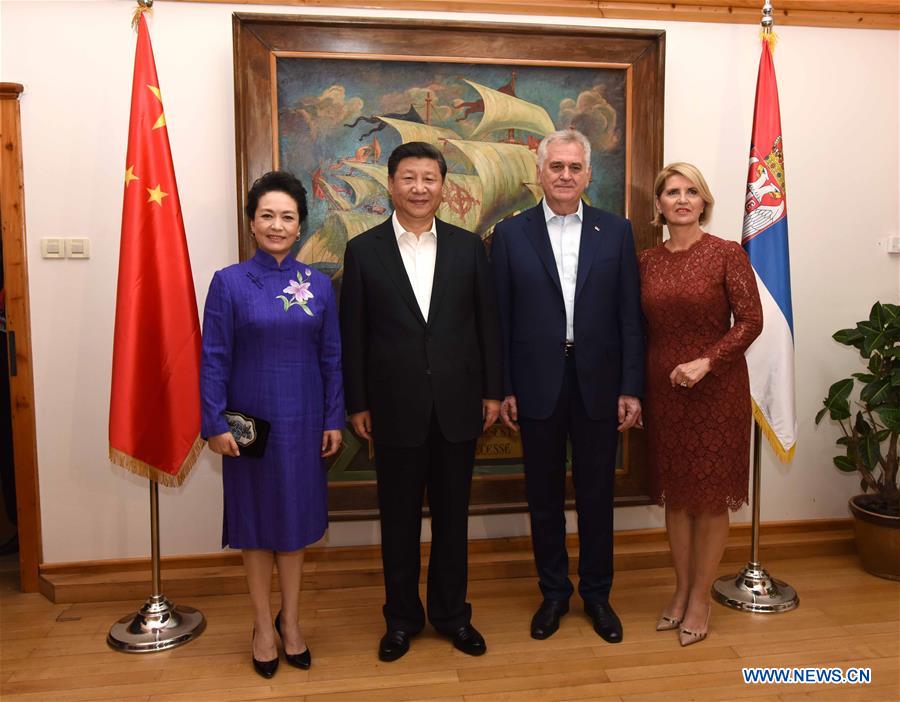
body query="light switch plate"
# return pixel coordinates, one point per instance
(78, 248)
(53, 248)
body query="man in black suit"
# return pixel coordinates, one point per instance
(569, 296)
(423, 379)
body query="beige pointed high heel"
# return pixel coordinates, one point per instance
(665, 623)
(687, 637)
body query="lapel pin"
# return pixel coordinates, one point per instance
(596, 227)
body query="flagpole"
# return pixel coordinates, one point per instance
(753, 589)
(158, 625)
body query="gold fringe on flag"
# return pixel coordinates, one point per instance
(769, 36)
(784, 455)
(143, 6)
(145, 470)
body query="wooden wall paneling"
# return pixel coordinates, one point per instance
(355, 566)
(15, 265)
(861, 14)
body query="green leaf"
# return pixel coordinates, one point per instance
(876, 316)
(836, 402)
(894, 352)
(844, 441)
(882, 434)
(307, 310)
(875, 363)
(891, 312)
(895, 377)
(864, 377)
(848, 337)
(890, 416)
(877, 392)
(870, 451)
(821, 413)
(845, 464)
(874, 337)
(287, 304)
(862, 427)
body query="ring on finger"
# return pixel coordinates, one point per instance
(684, 383)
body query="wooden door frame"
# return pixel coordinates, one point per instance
(15, 274)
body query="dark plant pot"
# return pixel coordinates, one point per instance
(877, 539)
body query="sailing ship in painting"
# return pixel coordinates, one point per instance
(491, 170)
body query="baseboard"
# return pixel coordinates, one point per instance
(356, 566)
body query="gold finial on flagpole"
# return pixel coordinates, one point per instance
(146, 6)
(767, 23)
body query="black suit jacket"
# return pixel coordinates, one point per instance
(609, 341)
(397, 365)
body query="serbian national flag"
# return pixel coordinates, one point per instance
(770, 358)
(154, 412)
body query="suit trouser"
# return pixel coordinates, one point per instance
(594, 444)
(444, 468)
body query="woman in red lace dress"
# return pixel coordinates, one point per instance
(697, 405)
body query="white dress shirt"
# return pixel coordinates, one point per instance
(565, 239)
(419, 254)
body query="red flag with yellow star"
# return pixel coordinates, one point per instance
(154, 413)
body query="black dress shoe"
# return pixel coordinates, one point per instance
(265, 668)
(394, 644)
(606, 622)
(298, 660)
(545, 621)
(469, 641)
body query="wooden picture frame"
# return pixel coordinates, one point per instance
(261, 41)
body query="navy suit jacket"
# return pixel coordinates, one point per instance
(608, 326)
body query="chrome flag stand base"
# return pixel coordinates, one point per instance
(753, 589)
(158, 625)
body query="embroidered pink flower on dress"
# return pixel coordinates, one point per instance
(300, 291)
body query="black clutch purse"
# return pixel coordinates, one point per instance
(251, 433)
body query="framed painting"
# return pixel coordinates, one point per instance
(329, 99)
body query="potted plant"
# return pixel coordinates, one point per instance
(869, 439)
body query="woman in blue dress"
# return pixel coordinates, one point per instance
(271, 351)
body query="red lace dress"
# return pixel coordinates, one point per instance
(699, 437)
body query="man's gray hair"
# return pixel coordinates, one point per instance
(567, 136)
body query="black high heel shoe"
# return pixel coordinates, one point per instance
(265, 668)
(298, 660)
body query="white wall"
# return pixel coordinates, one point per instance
(840, 91)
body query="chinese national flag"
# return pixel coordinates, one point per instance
(154, 413)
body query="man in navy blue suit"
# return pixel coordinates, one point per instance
(569, 294)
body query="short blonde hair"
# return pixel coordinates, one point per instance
(693, 174)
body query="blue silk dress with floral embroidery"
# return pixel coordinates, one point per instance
(272, 350)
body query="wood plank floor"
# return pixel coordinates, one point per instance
(57, 652)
